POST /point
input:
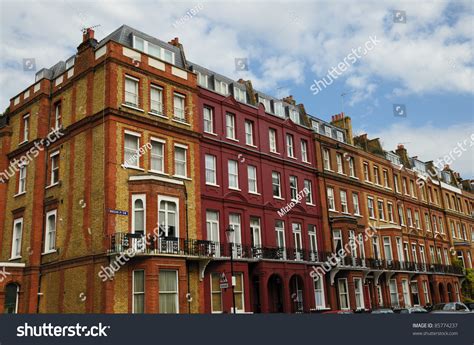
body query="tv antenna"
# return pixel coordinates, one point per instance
(84, 29)
(343, 94)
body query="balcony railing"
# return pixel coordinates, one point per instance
(151, 245)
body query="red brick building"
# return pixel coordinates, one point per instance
(124, 168)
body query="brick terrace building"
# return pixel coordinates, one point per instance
(162, 156)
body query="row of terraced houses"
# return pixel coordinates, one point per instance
(136, 181)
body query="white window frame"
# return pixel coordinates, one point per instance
(344, 204)
(272, 139)
(331, 200)
(340, 165)
(210, 171)
(343, 292)
(185, 161)
(133, 152)
(131, 96)
(50, 240)
(54, 157)
(158, 109)
(326, 159)
(304, 151)
(249, 133)
(309, 196)
(156, 157)
(170, 292)
(290, 147)
(208, 120)
(230, 126)
(17, 239)
(359, 293)
(293, 180)
(355, 203)
(278, 175)
(26, 123)
(136, 293)
(233, 176)
(22, 171)
(179, 112)
(393, 293)
(252, 181)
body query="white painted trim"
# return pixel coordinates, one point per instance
(154, 177)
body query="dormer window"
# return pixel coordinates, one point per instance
(266, 103)
(39, 75)
(203, 79)
(327, 131)
(294, 115)
(153, 50)
(240, 95)
(315, 126)
(279, 110)
(70, 62)
(340, 136)
(222, 87)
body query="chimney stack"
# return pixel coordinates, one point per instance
(174, 42)
(289, 100)
(87, 34)
(344, 122)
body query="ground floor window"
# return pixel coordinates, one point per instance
(393, 292)
(138, 287)
(414, 293)
(319, 294)
(406, 293)
(216, 293)
(359, 293)
(425, 291)
(379, 295)
(11, 299)
(343, 293)
(239, 292)
(168, 292)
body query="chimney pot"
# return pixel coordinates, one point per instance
(88, 34)
(174, 42)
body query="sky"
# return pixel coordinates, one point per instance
(414, 86)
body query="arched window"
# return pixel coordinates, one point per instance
(11, 298)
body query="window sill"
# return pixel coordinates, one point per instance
(183, 177)
(23, 142)
(254, 193)
(158, 115)
(233, 139)
(354, 177)
(14, 258)
(182, 122)
(132, 167)
(275, 152)
(210, 133)
(292, 157)
(133, 107)
(330, 170)
(212, 184)
(52, 185)
(310, 204)
(335, 211)
(251, 145)
(341, 173)
(278, 198)
(358, 215)
(237, 189)
(19, 194)
(49, 252)
(158, 172)
(346, 213)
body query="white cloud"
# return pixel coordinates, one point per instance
(430, 142)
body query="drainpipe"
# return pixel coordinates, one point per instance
(187, 242)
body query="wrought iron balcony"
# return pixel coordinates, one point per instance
(138, 244)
